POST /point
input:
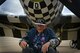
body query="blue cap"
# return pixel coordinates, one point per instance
(40, 22)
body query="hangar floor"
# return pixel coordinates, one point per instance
(10, 45)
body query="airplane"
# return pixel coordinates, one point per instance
(42, 9)
(13, 24)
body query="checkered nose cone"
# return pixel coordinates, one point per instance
(45, 9)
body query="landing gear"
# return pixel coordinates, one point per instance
(73, 44)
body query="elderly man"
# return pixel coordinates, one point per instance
(40, 39)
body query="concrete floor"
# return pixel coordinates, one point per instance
(10, 45)
(67, 49)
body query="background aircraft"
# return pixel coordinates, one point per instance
(49, 10)
(14, 21)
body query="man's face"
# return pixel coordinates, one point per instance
(40, 28)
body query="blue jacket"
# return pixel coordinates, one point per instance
(31, 35)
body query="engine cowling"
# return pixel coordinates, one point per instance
(42, 9)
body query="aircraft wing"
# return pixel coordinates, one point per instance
(12, 12)
(73, 5)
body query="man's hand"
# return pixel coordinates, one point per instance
(23, 44)
(45, 47)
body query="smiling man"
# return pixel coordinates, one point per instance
(41, 39)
